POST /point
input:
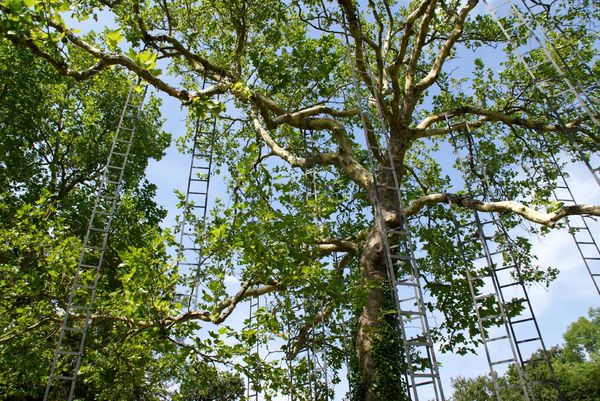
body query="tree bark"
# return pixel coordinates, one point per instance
(378, 368)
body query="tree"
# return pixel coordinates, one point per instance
(576, 373)
(203, 382)
(54, 137)
(283, 74)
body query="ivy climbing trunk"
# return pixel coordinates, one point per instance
(377, 366)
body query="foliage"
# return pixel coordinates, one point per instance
(202, 382)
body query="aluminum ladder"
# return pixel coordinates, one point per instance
(78, 314)
(503, 261)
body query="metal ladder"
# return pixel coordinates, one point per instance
(551, 90)
(506, 274)
(586, 243)
(504, 340)
(316, 353)
(78, 313)
(553, 56)
(190, 252)
(252, 387)
(404, 277)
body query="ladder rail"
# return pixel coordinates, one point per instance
(252, 392)
(110, 183)
(317, 354)
(592, 242)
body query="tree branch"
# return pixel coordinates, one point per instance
(444, 52)
(346, 162)
(546, 219)
(422, 131)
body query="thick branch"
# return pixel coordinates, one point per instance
(345, 162)
(547, 219)
(422, 130)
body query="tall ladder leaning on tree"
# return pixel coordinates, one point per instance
(422, 374)
(317, 348)
(312, 330)
(553, 90)
(78, 313)
(501, 272)
(190, 256)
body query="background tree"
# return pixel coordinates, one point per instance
(575, 363)
(202, 382)
(281, 69)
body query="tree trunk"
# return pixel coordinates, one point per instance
(377, 372)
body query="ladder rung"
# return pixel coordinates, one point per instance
(428, 375)
(104, 213)
(423, 383)
(527, 319)
(493, 317)
(502, 361)
(510, 284)
(198, 179)
(398, 231)
(400, 257)
(85, 287)
(492, 339)
(479, 297)
(419, 343)
(101, 230)
(118, 154)
(499, 269)
(490, 254)
(197, 193)
(115, 167)
(585, 242)
(411, 313)
(528, 340)
(87, 266)
(406, 283)
(201, 167)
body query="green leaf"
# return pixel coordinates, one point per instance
(113, 38)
